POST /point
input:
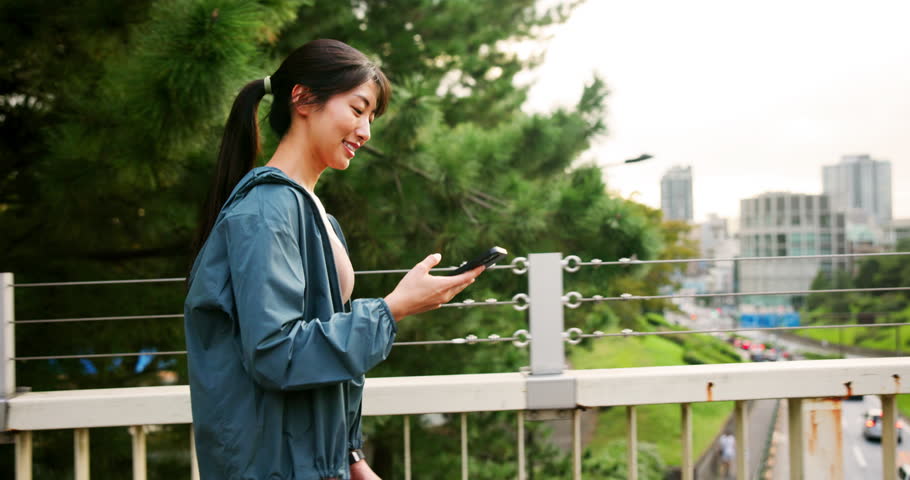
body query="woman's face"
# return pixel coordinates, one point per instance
(342, 125)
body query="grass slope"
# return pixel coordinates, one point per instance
(657, 424)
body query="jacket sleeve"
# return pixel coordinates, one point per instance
(354, 414)
(281, 350)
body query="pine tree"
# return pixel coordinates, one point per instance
(112, 114)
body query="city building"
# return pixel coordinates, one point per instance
(676, 194)
(859, 185)
(717, 238)
(787, 224)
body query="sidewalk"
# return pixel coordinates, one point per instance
(778, 461)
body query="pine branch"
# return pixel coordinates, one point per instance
(474, 194)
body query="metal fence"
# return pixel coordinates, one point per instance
(547, 386)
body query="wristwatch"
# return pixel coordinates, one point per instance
(355, 456)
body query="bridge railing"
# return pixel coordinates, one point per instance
(547, 386)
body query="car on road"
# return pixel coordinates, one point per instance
(757, 352)
(872, 425)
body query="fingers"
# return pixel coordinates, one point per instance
(431, 261)
(460, 282)
(470, 275)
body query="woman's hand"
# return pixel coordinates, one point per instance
(419, 291)
(362, 471)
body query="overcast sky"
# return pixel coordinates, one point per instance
(755, 96)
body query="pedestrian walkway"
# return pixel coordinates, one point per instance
(778, 459)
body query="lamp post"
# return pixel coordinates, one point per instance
(640, 158)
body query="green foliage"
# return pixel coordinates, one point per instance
(111, 114)
(611, 463)
(863, 308)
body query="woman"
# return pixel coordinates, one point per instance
(277, 351)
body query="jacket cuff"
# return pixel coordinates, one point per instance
(325, 471)
(386, 313)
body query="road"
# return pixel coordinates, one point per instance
(863, 458)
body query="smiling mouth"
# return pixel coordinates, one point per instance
(350, 147)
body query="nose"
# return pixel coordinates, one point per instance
(363, 131)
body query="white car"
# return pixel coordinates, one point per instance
(872, 425)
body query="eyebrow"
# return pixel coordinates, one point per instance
(367, 101)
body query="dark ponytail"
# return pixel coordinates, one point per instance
(236, 157)
(325, 67)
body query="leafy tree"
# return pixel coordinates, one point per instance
(111, 115)
(864, 307)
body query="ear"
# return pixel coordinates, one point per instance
(301, 99)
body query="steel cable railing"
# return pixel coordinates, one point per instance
(521, 301)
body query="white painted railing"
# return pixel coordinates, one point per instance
(82, 410)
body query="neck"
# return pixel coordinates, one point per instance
(294, 159)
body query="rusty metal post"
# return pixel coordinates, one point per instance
(823, 427)
(795, 432)
(889, 436)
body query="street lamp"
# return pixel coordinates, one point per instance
(640, 158)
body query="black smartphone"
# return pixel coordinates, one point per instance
(487, 259)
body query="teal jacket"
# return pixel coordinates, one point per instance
(276, 361)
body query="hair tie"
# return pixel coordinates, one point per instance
(267, 81)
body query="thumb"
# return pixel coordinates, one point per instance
(430, 262)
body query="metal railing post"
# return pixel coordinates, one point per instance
(576, 444)
(407, 447)
(547, 387)
(795, 431)
(7, 345)
(632, 434)
(464, 446)
(24, 455)
(522, 466)
(548, 355)
(81, 453)
(688, 466)
(140, 471)
(889, 435)
(741, 411)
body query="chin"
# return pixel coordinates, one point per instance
(342, 165)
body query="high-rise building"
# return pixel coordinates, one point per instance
(860, 184)
(676, 194)
(787, 224)
(717, 239)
